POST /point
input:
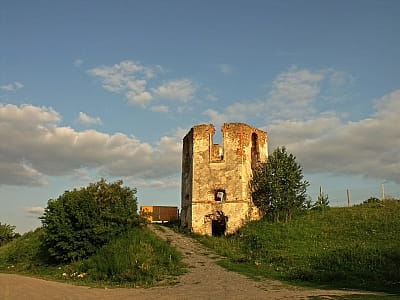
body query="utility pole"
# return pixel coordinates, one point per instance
(348, 198)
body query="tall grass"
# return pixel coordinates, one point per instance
(23, 253)
(356, 247)
(137, 257)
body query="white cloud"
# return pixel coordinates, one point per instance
(87, 120)
(225, 68)
(140, 98)
(38, 147)
(137, 82)
(237, 112)
(328, 144)
(34, 210)
(324, 142)
(78, 62)
(292, 93)
(160, 108)
(129, 77)
(163, 183)
(19, 173)
(292, 96)
(179, 89)
(211, 97)
(11, 87)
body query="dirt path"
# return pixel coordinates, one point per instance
(204, 280)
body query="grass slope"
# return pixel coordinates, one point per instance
(356, 247)
(137, 257)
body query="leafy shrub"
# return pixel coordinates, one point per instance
(81, 221)
(322, 202)
(7, 233)
(26, 250)
(136, 256)
(278, 188)
(372, 200)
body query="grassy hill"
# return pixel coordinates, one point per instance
(137, 257)
(356, 247)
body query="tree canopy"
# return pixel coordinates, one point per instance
(7, 233)
(277, 185)
(80, 221)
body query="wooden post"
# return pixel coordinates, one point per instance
(348, 198)
(383, 192)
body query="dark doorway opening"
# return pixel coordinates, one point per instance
(219, 224)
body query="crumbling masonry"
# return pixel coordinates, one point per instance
(215, 197)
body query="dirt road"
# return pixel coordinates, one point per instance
(204, 280)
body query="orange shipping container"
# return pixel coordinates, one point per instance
(160, 213)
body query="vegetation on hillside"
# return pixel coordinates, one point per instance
(137, 257)
(81, 221)
(7, 233)
(356, 247)
(278, 188)
(93, 235)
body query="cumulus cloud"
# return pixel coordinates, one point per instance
(129, 77)
(78, 62)
(329, 144)
(38, 147)
(11, 87)
(160, 108)
(225, 68)
(87, 120)
(324, 141)
(34, 210)
(161, 183)
(181, 89)
(292, 95)
(137, 82)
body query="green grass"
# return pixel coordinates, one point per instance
(356, 247)
(136, 258)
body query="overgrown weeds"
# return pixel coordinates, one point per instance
(135, 258)
(356, 247)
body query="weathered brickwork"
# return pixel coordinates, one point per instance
(215, 178)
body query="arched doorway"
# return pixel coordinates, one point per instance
(219, 224)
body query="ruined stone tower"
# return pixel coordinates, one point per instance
(215, 196)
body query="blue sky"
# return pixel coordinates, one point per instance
(92, 89)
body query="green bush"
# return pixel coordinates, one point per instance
(372, 200)
(137, 256)
(322, 202)
(278, 188)
(25, 251)
(81, 221)
(7, 233)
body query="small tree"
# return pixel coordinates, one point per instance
(81, 221)
(322, 201)
(278, 188)
(7, 233)
(372, 200)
